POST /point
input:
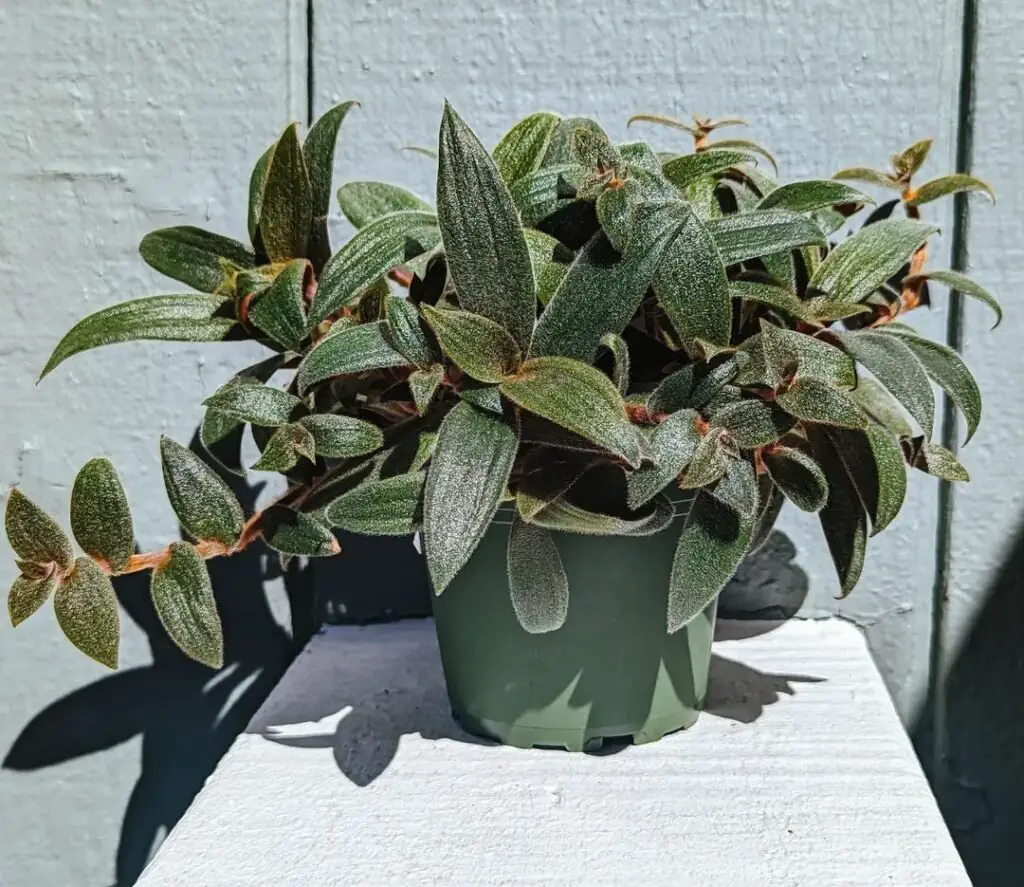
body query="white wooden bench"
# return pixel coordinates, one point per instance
(353, 773)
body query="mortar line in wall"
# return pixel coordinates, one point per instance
(310, 83)
(938, 664)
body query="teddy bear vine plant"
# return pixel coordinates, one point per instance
(601, 334)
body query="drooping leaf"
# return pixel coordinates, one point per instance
(365, 202)
(536, 578)
(86, 609)
(863, 262)
(771, 295)
(933, 459)
(817, 401)
(338, 436)
(284, 447)
(424, 384)
(484, 245)
(190, 317)
(318, 154)
(100, 517)
(753, 422)
(577, 397)
(566, 517)
(481, 347)
(874, 461)
(27, 595)
(770, 504)
(962, 284)
(251, 401)
(522, 148)
(672, 444)
(286, 212)
(808, 196)
(296, 533)
(354, 349)
(204, 504)
(34, 535)
(551, 260)
(466, 480)
(880, 406)
(714, 540)
(893, 363)
(662, 120)
(911, 159)
(279, 311)
(620, 360)
(945, 185)
(257, 184)
(403, 332)
(545, 474)
(183, 599)
(374, 250)
(871, 176)
(798, 476)
(197, 258)
(746, 145)
(687, 168)
(758, 233)
(392, 506)
(788, 351)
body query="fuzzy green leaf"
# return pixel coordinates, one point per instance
(353, 349)
(545, 474)
(748, 146)
(340, 436)
(295, 533)
(251, 401)
(753, 423)
(204, 504)
(284, 447)
(372, 252)
(488, 259)
(817, 401)
(787, 352)
(365, 202)
(933, 459)
(798, 476)
(751, 235)
(190, 317)
(808, 196)
(27, 595)
(550, 259)
(672, 444)
(318, 154)
(771, 295)
(871, 176)
(673, 392)
(257, 184)
(639, 156)
(874, 461)
(480, 347)
(894, 365)
(687, 168)
(962, 284)
(486, 397)
(183, 599)
(522, 148)
(880, 406)
(279, 311)
(770, 504)
(911, 159)
(710, 461)
(86, 610)
(424, 384)
(620, 360)
(714, 540)
(536, 579)
(34, 535)
(549, 188)
(710, 378)
(286, 213)
(577, 397)
(945, 185)
(862, 263)
(197, 258)
(389, 507)
(100, 517)
(466, 480)
(566, 517)
(403, 332)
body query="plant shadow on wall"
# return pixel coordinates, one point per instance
(186, 714)
(362, 716)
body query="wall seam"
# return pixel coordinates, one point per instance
(310, 72)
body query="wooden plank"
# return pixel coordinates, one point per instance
(846, 85)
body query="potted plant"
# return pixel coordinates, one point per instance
(589, 378)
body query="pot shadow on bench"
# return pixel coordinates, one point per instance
(364, 717)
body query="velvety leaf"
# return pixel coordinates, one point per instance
(353, 349)
(86, 609)
(751, 235)
(197, 258)
(662, 120)
(876, 401)
(279, 311)
(251, 401)
(823, 310)
(673, 392)
(817, 401)
(183, 599)
(338, 436)
(424, 384)
(808, 196)
(754, 371)
(894, 365)
(487, 256)
(911, 159)
(843, 518)
(486, 397)
(190, 317)
(863, 262)
(536, 579)
(257, 184)
(292, 532)
(467, 478)
(318, 154)
(560, 148)
(787, 352)
(27, 595)
(204, 504)
(522, 148)
(962, 284)
(640, 156)
(392, 506)
(687, 168)
(712, 377)
(539, 194)
(403, 331)
(372, 252)
(753, 422)
(544, 475)
(365, 202)
(709, 462)
(100, 517)
(949, 372)
(871, 176)
(771, 295)
(798, 476)
(620, 360)
(284, 447)
(745, 145)
(550, 261)
(564, 516)
(286, 212)
(874, 461)
(34, 535)
(945, 185)
(577, 397)
(672, 445)
(714, 540)
(480, 347)
(770, 504)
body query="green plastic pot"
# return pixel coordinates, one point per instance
(611, 672)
